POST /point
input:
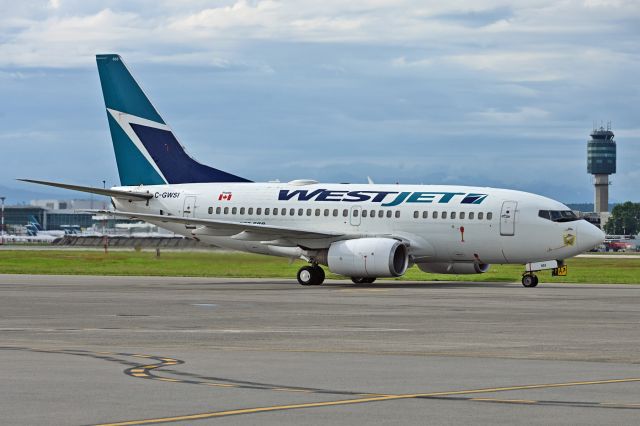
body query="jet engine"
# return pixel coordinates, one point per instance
(454, 267)
(368, 257)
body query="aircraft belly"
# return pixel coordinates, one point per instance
(465, 243)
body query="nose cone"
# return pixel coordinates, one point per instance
(589, 236)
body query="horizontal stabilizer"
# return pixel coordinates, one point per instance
(91, 190)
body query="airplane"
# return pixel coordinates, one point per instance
(35, 229)
(361, 231)
(12, 238)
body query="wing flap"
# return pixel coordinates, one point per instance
(244, 231)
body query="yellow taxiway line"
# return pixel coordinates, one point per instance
(213, 414)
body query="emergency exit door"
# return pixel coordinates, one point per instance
(508, 218)
(354, 216)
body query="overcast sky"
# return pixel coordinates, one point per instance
(481, 92)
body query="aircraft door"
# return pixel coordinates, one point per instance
(508, 218)
(189, 207)
(355, 214)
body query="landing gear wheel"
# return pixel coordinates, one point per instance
(319, 274)
(363, 280)
(311, 275)
(529, 280)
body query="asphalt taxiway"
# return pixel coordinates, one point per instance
(148, 350)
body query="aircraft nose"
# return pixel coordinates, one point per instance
(589, 236)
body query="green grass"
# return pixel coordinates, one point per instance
(242, 265)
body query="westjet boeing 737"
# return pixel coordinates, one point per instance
(359, 231)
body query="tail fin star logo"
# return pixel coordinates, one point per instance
(224, 196)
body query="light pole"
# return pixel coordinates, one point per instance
(2, 223)
(104, 222)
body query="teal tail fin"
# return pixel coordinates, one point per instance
(147, 152)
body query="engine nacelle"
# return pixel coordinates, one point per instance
(368, 257)
(454, 267)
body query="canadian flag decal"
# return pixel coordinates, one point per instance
(224, 196)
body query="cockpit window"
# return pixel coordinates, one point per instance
(558, 215)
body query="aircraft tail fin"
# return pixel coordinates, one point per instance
(33, 221)
(147, 152)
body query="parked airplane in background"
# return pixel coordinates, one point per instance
(12, 238)
(35, 229)
(360, 231)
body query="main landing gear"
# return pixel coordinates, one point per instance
(311, 275)
(362, 280)
(529, 280)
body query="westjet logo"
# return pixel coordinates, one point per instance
(386, 198)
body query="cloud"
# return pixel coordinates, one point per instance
(520, 115)
(69, 41)
(62, 33)
(403, 86)
(515, 66)
(240, 15)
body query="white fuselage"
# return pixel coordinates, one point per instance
(440, 223)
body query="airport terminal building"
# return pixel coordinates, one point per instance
(56, 215)
(16, 216)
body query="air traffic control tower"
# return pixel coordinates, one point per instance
(601, 162)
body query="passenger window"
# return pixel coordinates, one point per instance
(380, 213)
(275, 212)
(364, 213)
(345, 212)
(435, 215)
(335, 212)
(292, 212)
(389, 213)
(267, 211)
(250, 210)
(210, 210)
(326, 212)
(453, 215)
(226, 210)
(480, 215)
(372, 213)
(397, 214)
(462, 215)
(355, 212)
(416, 214)
(283, 212)
(317, 212)
(300, 212)
(241, 210)
(218, 210)
(489, 216)
(234, 210)
(471, 214)
(308, 212)
(259, 211)
(443, 215)
(425, 214)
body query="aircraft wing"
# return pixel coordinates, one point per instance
(245, 230)
(127, 195)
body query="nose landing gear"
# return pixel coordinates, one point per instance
(311, 275)
(529, 280)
